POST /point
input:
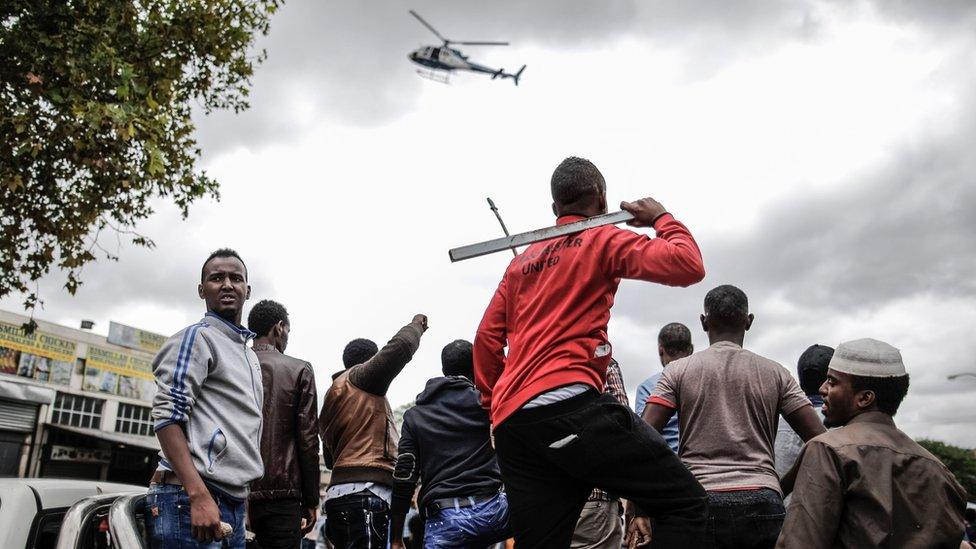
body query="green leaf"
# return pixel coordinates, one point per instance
(98, 119)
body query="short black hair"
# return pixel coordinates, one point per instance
(456, 359)
(576, 180)
(812, 367)
(222, 252)
(675, 338)
(888, 391)
(265, 315)
(358, 351)
(727, 307)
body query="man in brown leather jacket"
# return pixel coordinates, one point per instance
(284, 502)
(359, 439)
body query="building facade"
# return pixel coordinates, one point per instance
(74, 404)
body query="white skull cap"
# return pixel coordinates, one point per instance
(869, 358)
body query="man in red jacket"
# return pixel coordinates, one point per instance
(557, 437)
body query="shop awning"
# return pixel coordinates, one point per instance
(11, 390)
(149, 443)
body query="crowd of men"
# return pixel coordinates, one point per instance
(528, 434)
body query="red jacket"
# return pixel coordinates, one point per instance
(552, 307)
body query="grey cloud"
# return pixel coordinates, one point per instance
(164, 278)
(940, 14)
(907, 229)
(903, 233)
(349, 59)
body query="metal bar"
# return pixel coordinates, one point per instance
(538, 235)
(491, 204)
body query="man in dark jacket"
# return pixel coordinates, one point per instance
(283, 504)
(446, 445)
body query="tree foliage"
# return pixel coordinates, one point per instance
(95, 119)
(961, 461)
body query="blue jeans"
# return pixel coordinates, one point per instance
(168, 518)
(479, 525)
(749, 519)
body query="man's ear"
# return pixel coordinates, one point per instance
(603, 201)
(555, 211)
(704, 322)
(865, 399)
(200, 290)
(660, 351)
(749, 320)
(248, 294)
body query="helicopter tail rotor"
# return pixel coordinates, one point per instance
(518, 75)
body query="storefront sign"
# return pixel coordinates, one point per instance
(120, 362)
(37, 343)
(80, 455)
(119, 372)
(134, 338)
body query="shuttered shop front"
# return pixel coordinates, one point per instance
(18, 416)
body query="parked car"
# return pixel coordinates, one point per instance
(47, 513)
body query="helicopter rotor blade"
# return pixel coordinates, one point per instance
(430, 28)
(482, 43)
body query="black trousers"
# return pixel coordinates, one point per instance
(276, 523)
(357, 521)
(552, 456)
(745, 519)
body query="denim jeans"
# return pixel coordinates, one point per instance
(168, 518)
(476, 526)
(747, 519)
(357, 521)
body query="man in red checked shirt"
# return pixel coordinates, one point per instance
(557, 436)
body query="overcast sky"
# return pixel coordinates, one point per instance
(819, 151)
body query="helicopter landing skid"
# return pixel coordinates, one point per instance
(436, 76)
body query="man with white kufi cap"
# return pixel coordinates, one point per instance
(867, 484)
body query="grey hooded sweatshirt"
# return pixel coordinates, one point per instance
(209, 381)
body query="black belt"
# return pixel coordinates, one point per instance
(165, 477)
(454, 503)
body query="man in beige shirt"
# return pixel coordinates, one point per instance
(729, 401)
(867, 484)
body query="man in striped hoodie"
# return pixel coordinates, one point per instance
(207, 417)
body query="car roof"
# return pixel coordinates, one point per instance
(60, 492)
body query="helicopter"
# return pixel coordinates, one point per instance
(446, 59)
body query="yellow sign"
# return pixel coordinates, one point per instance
(120, 362)
(38, 343)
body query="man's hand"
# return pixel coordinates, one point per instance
(204, 518)
(397, 544)
(309, 514)
(645, 211)
(639, 532)
(421, 320)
